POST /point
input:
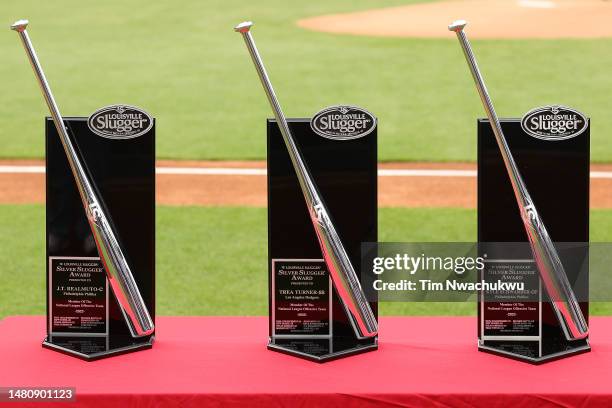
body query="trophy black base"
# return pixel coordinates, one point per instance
(535, 359)
(96, 348)
(321, 350)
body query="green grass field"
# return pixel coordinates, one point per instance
(217, 265)
(184, 64)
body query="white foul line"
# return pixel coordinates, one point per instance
(425, 173)
(21, 169)
(237, 171)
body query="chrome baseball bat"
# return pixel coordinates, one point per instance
(117, 269)
(338, 263)
(552, 273)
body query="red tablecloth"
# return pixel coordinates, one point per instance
(422, 361)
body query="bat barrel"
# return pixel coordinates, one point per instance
(120, 278)
(549, 265)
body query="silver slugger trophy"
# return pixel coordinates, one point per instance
(117, 269)
(552, 273)
(340, 268)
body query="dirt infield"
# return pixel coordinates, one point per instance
(495, 19)
(244, 184)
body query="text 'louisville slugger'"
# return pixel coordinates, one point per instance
(338, 263)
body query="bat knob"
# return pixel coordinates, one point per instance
(457, 26)
(244, 27)
(19, 25)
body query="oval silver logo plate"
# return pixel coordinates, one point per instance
(554, 123)
(343, 122)
(120, 122)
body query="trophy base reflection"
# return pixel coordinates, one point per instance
(95, 348)
(321, 350)
(307, 317)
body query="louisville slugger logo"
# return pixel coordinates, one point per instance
(530, 215)
(554, 123)
(343, 122)
(320, 213)
(120, 122)
(95, 213)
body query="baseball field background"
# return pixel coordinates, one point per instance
(183, 63)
